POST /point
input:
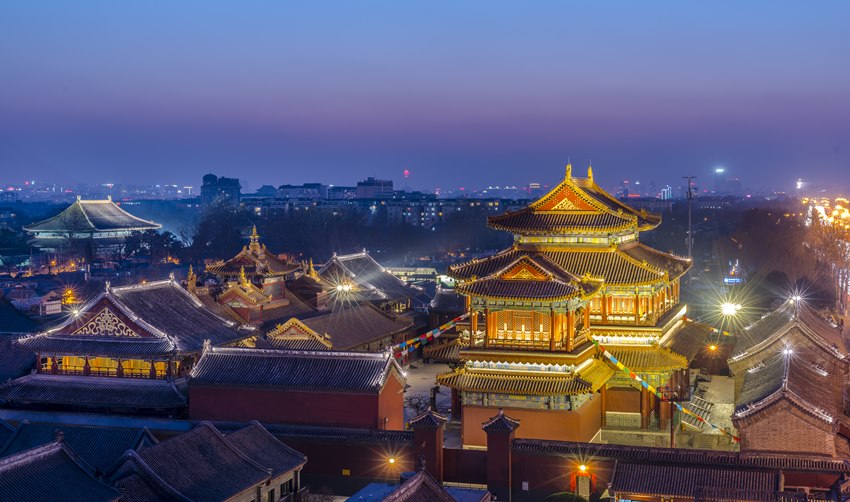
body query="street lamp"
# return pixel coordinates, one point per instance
(729, 309)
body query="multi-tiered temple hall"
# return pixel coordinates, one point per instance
(577, 272)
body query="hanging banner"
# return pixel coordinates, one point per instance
(414, 343)
(657, 393)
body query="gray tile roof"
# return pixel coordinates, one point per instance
(168, 307)
(93, 392)
(368, 274)
(262, 447)
(166, 318)
(101, 447)
(685, 481)
(51, 472)
(352, 326)
(294, 369)
(689, 340)
(198, 465)
(14, 361)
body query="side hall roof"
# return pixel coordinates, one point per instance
(370, 276)
(295, 369)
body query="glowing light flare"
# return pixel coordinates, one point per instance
(729, 308)
(391, 460)
(582, 468)
(712, 348)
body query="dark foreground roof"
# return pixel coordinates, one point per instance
(14, 361)
(261, 446)
(294, 369)
(217, 468)
(101, 447)
(93, 392)
(51, 472)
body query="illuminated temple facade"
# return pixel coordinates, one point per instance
(577, 272)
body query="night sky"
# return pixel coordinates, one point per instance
(460, 93)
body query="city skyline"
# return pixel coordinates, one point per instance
(454, 94)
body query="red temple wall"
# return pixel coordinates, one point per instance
(622, 400)
(391, 404)
(282, 406)
(555, 425)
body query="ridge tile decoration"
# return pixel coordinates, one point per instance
(105, 323)
(576, 268)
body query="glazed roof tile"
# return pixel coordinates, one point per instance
(530, 383)
(54, 472)
(647, 358)
(294, 369)
(93, 392)
(91, 216)
(443, 352)
(688, 340)
(616, 266)
(262, 447)
(448, 301)
(101, 447)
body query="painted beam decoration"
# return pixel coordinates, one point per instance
(658, 394)
(414, 343)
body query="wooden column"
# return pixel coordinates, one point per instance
(54, 365)
(553, 329)
(119, 371)
(153, 369)
(605, 309)
(456, 404)
(603, 396)
(86, 367)
(644, 408)
(473, 322)
(489, 326)
(587, 316)
(637, 309)
(571, 328)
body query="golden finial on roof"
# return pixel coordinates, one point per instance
(243, 279)
(311, 271)
(255, 240)
(590, 172)
(569, 170)
(191, 280)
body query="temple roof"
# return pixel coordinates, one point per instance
(530, 278)
(262, 447)
(14, 360)
(156, 318)
(352, 326)
(92, 216)
(624, 265)
(101, 447)
(575, 206)
(428, 419)
(256, 261)
(771, 332)
(294, 335)
(536, 383)
(51, 472)
(793, 377)
(500, 423)
(93, 392)
(688, 340)
(219, 469)
(373, 281)
(688, 481)
(647, 358)
(295, 369)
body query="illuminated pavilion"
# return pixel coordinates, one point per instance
(577, 272)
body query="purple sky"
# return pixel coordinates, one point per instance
(461, 93)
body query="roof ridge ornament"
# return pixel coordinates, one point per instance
(569, 170)
(590, 172)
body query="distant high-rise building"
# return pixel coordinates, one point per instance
(667, 193)
(720, 181)
(371, 187)
(216, 189)
(305, 191)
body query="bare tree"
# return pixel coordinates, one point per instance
(831, 244)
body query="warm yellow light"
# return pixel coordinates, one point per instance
(391, 460)
(712, 347)
(582, 468)
(729, 309)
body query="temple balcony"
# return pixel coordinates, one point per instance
(160, 374)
